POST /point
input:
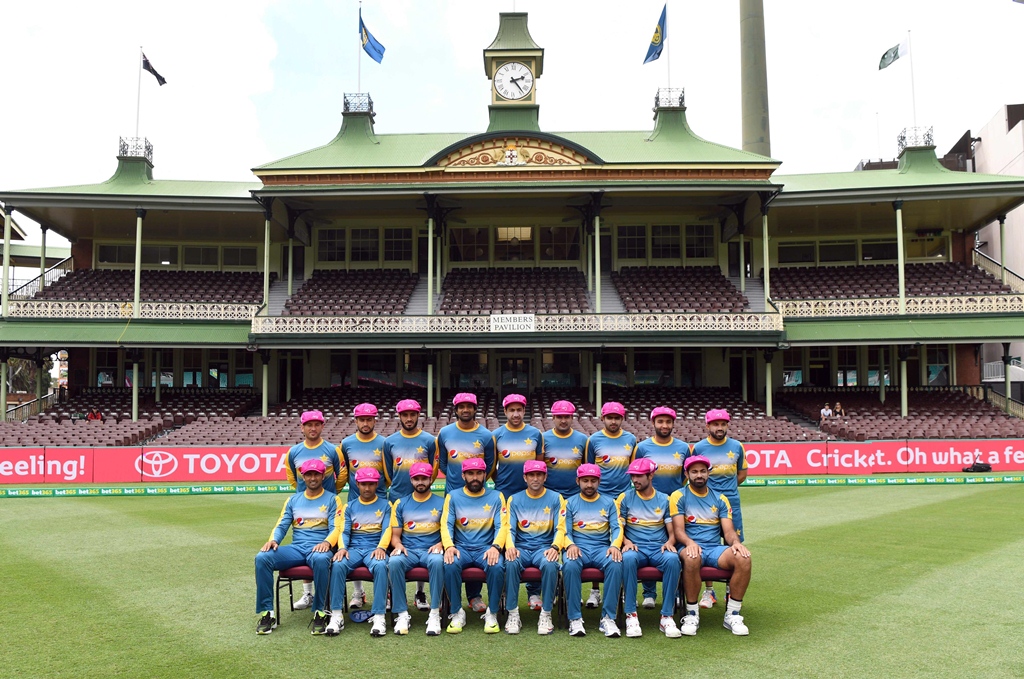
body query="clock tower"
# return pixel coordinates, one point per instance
(514, 63)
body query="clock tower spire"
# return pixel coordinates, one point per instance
(513, 62)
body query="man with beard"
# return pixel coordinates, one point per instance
(648, 542)
(365, 534)
(593, 537)
(408, 446)
(472, 535)
(536, 528)
(701, 519)
(310, 513)
(313, 447)
(565, 449)
(667, 453)
(611, 449)
(416, 541)
(727, 470)
(364, 450)
(457, 442)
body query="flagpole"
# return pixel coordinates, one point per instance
(359, 51)
(668, 47)
(138, 94)
(913, 93)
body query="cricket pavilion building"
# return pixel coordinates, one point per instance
(646, 264)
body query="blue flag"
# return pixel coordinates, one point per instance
(370, 44)
(660, 36)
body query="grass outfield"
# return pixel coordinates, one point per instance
(848, 581)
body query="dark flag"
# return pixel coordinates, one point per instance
(146, 66)
(660, 36)
(369, 43)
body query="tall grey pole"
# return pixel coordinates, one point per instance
(754, 78)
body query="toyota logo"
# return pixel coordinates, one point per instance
(156, 464)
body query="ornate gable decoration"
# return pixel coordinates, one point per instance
(512, 152)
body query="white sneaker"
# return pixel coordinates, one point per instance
(304, 602)
(633, 626)
(594, 600)
(708, 598)
(380, 625)
(491, 625)
(689, 625)
(734, 623)
(402, 623)
(668, 626)
(458, 621)
(477, 604)
(576, 628)
(335, 626)
(421, 601)
(434, 624)
(649, 602)
(358, 600)
(544, 623)
(610, 629)
(513, 625)
(535, 602)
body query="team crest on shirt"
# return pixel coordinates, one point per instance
(410, 525)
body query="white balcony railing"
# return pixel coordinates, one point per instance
(200, 311)
(356, 325)
(889, 306)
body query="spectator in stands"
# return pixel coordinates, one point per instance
(826, 413)
(727, 471)
(667, 453)
(313, 447)
(364, 534)
(702, 519)
(408, 446)
(838, 410)
(565, 449)
(94, 414)
(458, 442)
(364, 450)
(310, 514)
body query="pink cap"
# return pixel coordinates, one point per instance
(365, 410)
(535, 466)
(313, 465)
(613, 408)
(367, 475)
(312, 416)
(641, 465)
(588, 470)
(474, 464)
(513, 398)
(563, 408)
(464, 397)
(421, 469)
(663, 410)
(694, 459)
(717, 414)
(407, 405)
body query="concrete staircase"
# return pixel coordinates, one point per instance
(611, 303)
(417, 305)
(279, 295)
(754, 293)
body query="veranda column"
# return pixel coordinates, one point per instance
(881, 374)
(265, 378)
(598, 398)
(430, 386)
(769, 354)
(900, 260)
(764, 253)
(743, 268)
(903, 353)
(39, 381)
(266, 262)
(288, 372)
(597, 273)
(158, 367)
(743, 373)
(5, 284)
(135, 384)
(3, 386)
(430, 271)
(291, 264)
(1007, 384)
(140, 214)
(1002, 248)
(42, 258)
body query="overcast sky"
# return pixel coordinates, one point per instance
(250, 82)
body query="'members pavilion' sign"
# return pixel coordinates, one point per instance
(513, 323)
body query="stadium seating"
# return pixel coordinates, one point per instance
(669, 289)
(118, 285)
(881, 280)
(44, 431)
(364, 292)
(476, 292)
(932, 413)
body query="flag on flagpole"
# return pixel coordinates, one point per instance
(370, 44)
(894, 53)
(660, 36)
(146, 66)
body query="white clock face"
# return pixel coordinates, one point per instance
(513, 80)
